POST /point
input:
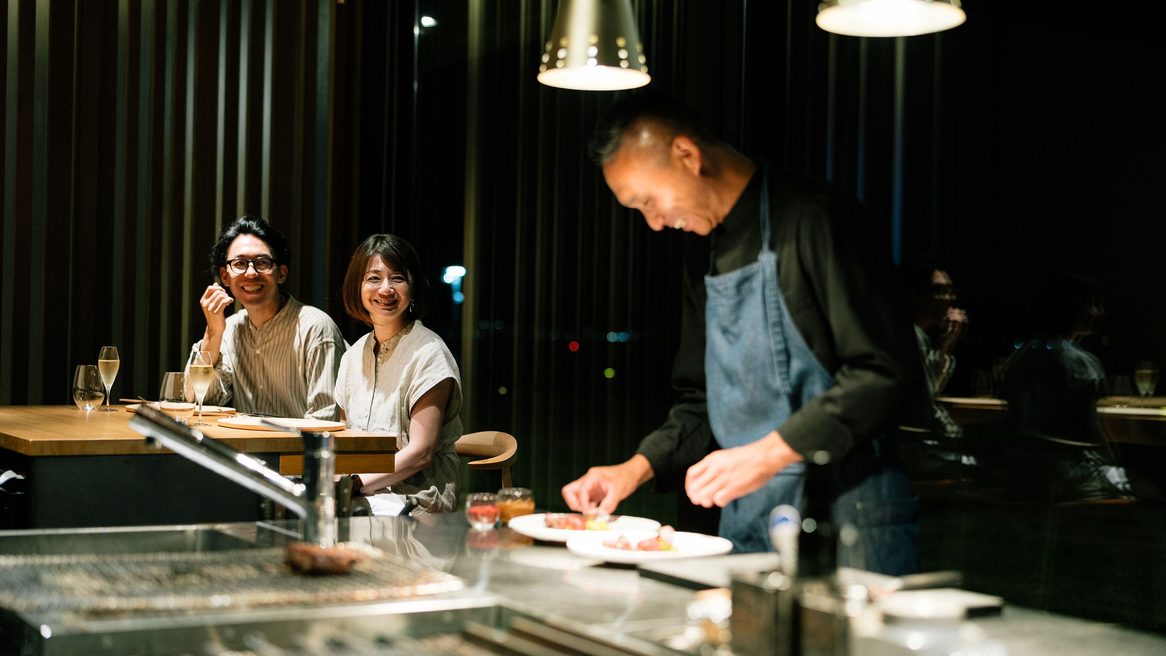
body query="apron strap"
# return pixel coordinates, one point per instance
(765, 247)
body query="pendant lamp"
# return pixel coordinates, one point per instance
(594, 46)
(889, 17)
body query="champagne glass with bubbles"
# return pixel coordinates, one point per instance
(201, 374)
(88, 388)
(107, 364)
(1146, 377)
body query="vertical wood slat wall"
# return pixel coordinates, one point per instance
(554, 260)
(133, 130)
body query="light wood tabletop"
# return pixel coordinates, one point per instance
(65, 430)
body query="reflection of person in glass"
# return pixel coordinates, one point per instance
(411, 539)
(931, 296)
(1052, 386)
(278, 356)
(796, 355)
(400, 379)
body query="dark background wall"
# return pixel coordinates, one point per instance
(1013, 145)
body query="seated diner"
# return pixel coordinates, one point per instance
(400, 379)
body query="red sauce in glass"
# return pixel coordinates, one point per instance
(482, 514)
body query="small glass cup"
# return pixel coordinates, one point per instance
(515, 502)
(481, 511)
(172, 397)
(88, 388)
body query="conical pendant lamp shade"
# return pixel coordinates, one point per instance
(594, 46)
(889, 17)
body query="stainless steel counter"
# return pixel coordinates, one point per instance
(506, 576)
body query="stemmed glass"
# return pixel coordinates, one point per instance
(172, 397)
(107, 364)
(88, 389)
(201, 373)
(1120, 391)
(1146, 376)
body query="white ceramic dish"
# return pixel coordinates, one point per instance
(256, 423)
(206, 409)
(688, 545)
(535, 526)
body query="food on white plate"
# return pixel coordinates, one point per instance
(572, 522)
(662, 542)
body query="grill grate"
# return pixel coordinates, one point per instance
(200, 581)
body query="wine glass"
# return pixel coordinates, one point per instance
(1146, 376)
(88, 389)
(172, 397)
(1120, 391)
(107, 364)
(982, 384)
(201, 373)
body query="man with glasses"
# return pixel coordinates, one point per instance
(277, 356)
(933, 298)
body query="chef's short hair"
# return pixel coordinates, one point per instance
(255, 226)
(652, 106)
(401, 257)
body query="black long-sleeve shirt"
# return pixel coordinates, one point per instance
(837, 287)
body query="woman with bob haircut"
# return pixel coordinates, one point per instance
(400, 379)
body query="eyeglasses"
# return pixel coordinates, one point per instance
(262, 264)
(944, 290)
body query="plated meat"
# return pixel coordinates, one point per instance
(572, 522)
(662, 542)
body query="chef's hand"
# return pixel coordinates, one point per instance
(601, 489)
(729, 474)
(215, 301)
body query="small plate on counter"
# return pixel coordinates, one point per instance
(685, 545)
(535, 526)
(257, 423)
(206, 409)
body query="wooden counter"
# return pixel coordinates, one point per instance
(1142, 422)
(66, 430)
(91, 469)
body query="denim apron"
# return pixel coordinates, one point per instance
(759, 371)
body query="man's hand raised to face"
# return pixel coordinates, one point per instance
(215, 301)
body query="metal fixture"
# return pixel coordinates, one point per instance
(889, 17)
(594, 46)
(313, 500)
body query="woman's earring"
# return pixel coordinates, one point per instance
(411, 306)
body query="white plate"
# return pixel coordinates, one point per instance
(206, 409)
(1133, 412)
(688, 545)
(256, 423)
(535, 526)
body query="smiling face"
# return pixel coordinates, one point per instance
(942, 296)
(385, 294)
(253, 289)
(661, 176)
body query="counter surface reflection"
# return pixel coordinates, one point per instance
(507, 575)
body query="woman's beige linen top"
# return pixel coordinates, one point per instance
(378, 385)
